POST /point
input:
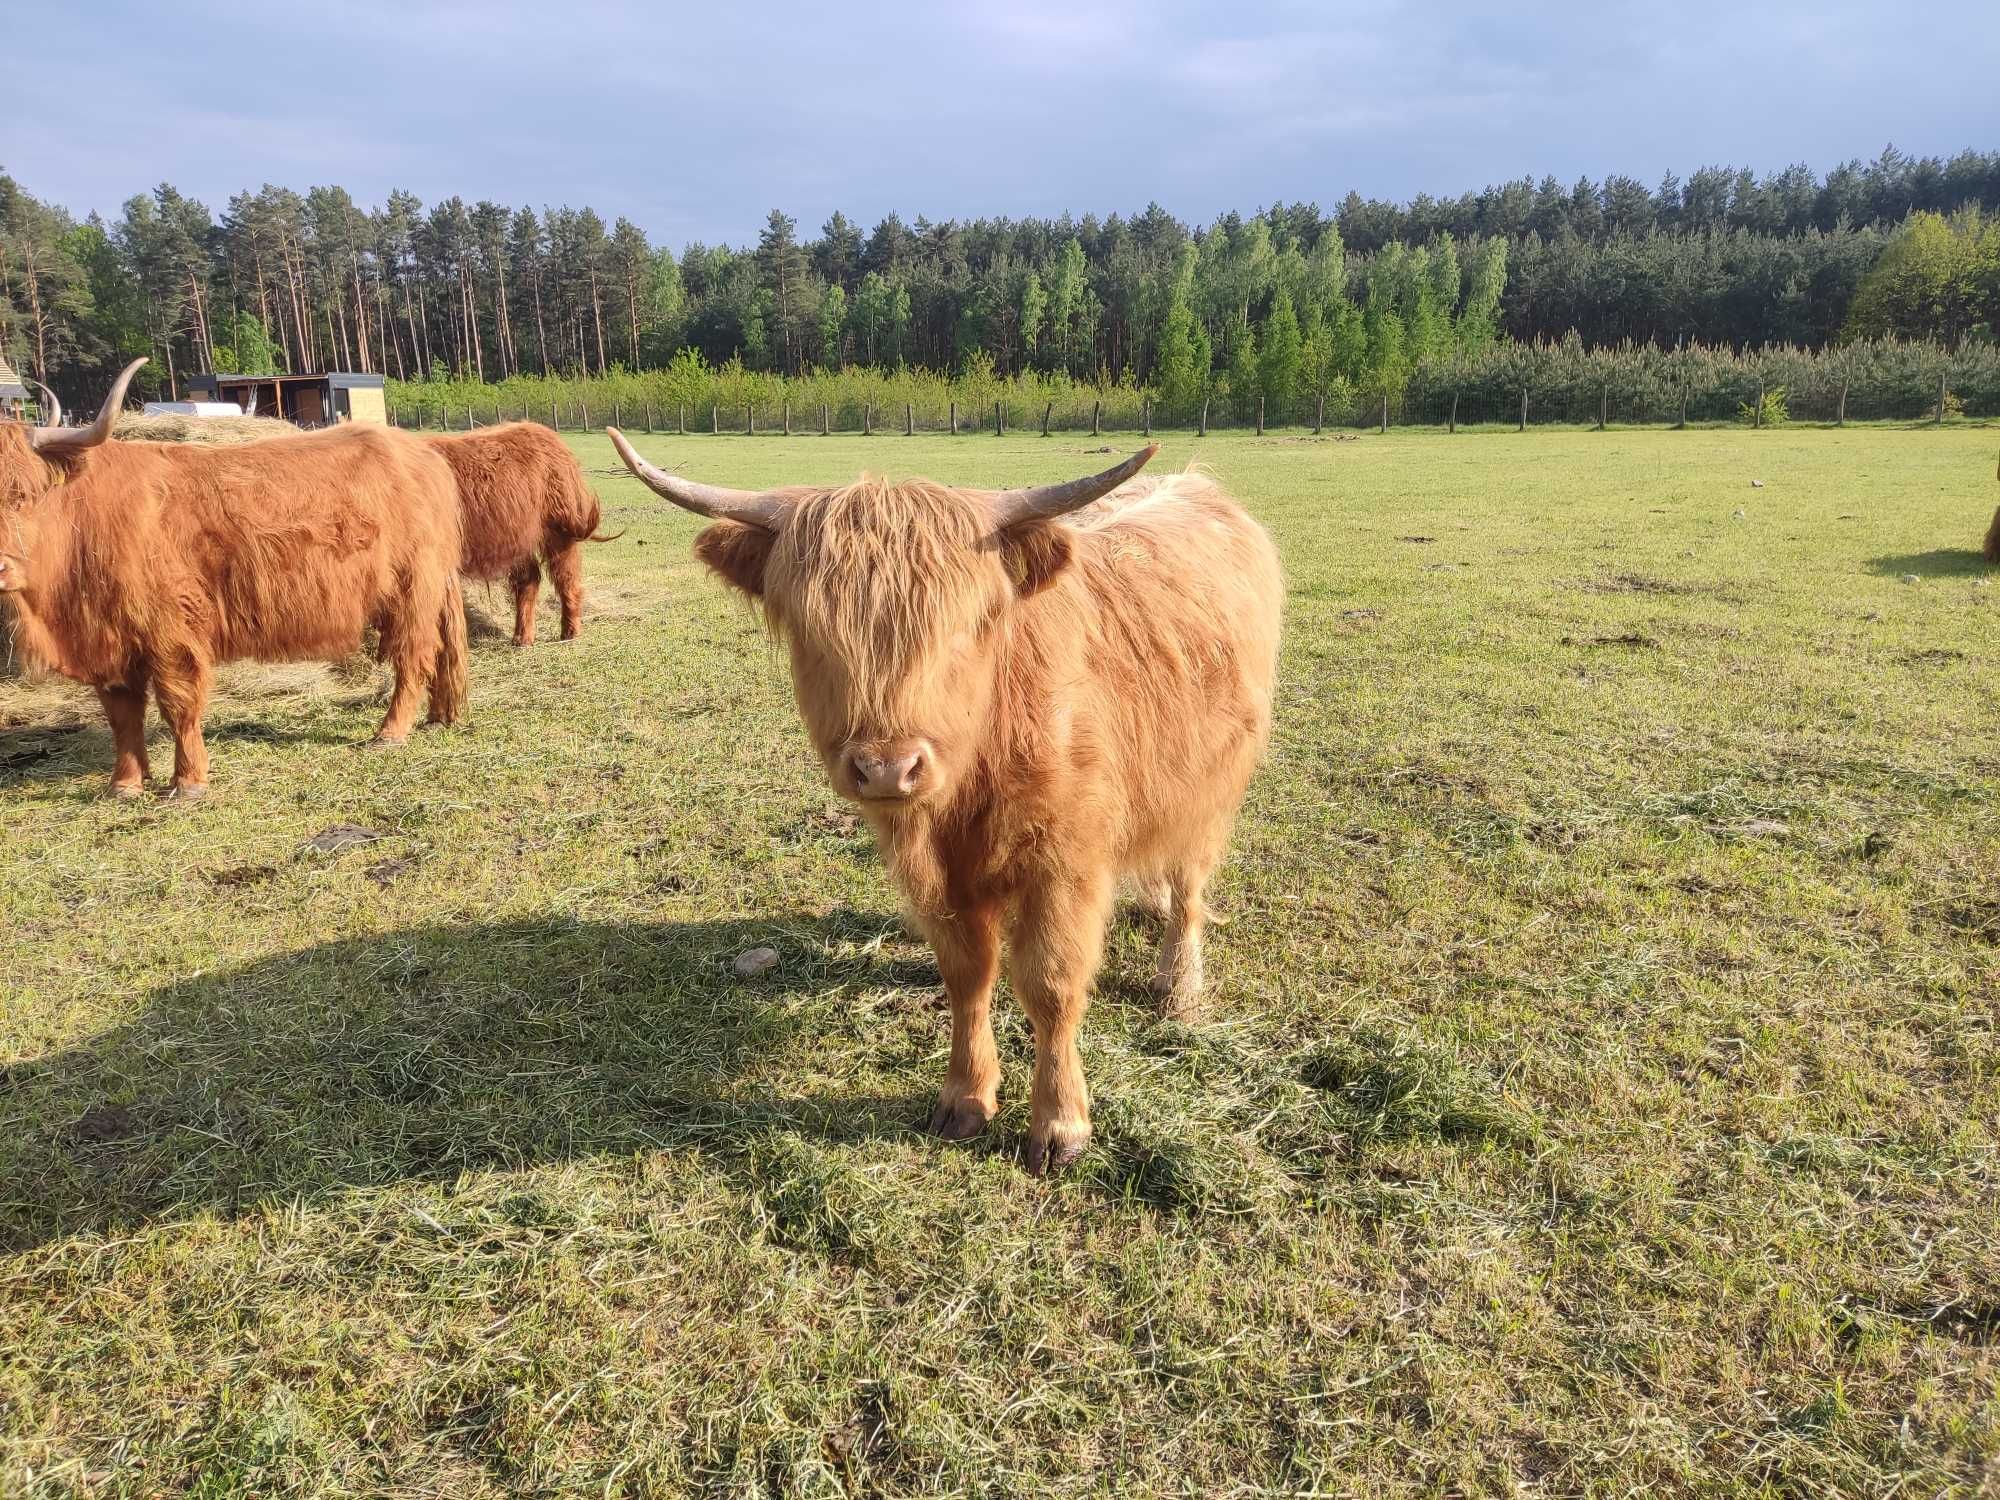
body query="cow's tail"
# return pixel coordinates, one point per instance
(1993, 533)
(574, 506)
(448, 684)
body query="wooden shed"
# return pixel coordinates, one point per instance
(309, 400)
(13, 394)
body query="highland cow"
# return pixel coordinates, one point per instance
(1029, 693)
(525, 506)
(137, 565)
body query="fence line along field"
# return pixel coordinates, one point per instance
(1598, 1089)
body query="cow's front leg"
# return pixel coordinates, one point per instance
(1058, 944)
(125, 711)
(182, 692)
(967, 945)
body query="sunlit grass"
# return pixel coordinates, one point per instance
(1599, 1091)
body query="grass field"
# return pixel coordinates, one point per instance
(1600, 1092)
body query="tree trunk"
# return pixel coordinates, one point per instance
(1451, 422)
(1603, 406)
(1840, 413)
(1385, 412)
(788, 418)
(954, 419)
(1046, 410)
(1202, 430)
(1940, 410)
(714, 419)
(1260, 416)
(1096, 413)
(1524, 408)
(999, 419)
(868, 419)
(909, 420)
(1757, 417)
(1145, 416)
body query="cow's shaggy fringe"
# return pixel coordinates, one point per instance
(526, 505)
(144, 565)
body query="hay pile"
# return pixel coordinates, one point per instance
(135, 427)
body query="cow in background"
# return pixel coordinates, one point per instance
(131, 566)
(525, 506)
(1030, 693)
(1993, 535)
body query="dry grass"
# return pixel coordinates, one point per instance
(170, 427)
(1600, 1093)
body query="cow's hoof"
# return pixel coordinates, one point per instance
(383, 742)
(959, 1120)
(1179, 997)
(186, 791)
(521, 645)
(125, 791)
(1054, 1148)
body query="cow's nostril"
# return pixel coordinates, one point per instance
(911, 773)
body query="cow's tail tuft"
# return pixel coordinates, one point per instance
(448, 681)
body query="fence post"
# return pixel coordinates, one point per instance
(909, 419)
(649, 417)
(1146, 416)
(1385, 413)
(1451, 422)
(681, 417)
(1682, 427)
(1524, 408)
(749, 420)
(618, 413)
(1202, 429)
(555, 416)
(1319, 415)
(1940, 414)
(1260, 416)
(1096, 412)
(868, 419)
(999, 419)
(954, 419)
(1757, 417)
(1603, 405)
(825, 425)
(584, 408)
(715, 418)
(1840, 413)
(1045, 417)
(469, 424)
(788, 418)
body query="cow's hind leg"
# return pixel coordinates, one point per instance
(182, 690)
(526, 580)
(566, 573)
(1058, 944)
(410, 642)
(1178, 984)
(967, 945)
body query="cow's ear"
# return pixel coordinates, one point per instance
(1034, 554)
(737, 554)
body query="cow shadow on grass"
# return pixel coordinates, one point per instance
(420, 1054)
(1940, 562)
(81, 751)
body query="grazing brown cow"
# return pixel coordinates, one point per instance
(1029, 696)
(131, 565)
(525, 504)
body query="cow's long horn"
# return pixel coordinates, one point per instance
(72, 439)
(766, 509)
(1047, 501)
(52, 417)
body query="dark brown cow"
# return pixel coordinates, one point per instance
(1029, 695)
(526, 505)
(1992, 548)
(136, 565)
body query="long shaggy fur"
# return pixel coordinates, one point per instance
(1993, 539)
(137, 565)
(1096, 693)
(526, 506)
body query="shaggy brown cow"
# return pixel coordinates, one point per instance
(525, 504)
(137, 564)
(1028, 699)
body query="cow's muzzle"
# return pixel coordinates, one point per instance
(894, 772)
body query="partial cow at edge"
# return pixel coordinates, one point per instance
(526, 506)
(1993, 532)
(131, 566)
(1030, 694)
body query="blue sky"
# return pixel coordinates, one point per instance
(695, 121)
